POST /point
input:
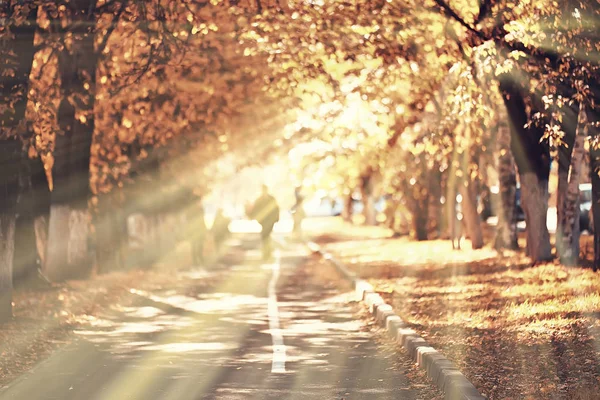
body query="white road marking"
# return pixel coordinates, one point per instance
(278, 365)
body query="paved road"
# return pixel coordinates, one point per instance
(264, 331)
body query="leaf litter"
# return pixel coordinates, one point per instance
(516, 330)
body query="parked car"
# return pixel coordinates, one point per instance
(321, 206)
(337, 205)
(493, 203)
(585, 205)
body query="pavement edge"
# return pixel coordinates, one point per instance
(444, 374)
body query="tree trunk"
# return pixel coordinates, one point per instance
(420, 217)
(348, 209)
(30, 237)
(506, 233)
(565, 154)
(10, 154)
(17, 57)
(561, 190)
(568, 243)
(420, 203)
(594, 118)
(534, 200)
(391, 208)
(532, 157)
(137, 236)
(57, 266)
(450, 204)
(17, 53)
(7, 243)
(58, 217)
(403, 226)
(144, 239)
(366, 191)
(26, 259)
(470, 215)
(111, 234)
(40, 225)
(67, 253)
(369, 210)
(155, 246)
(69, 215)
(79, 230)
(435, 208)
(164, 234)
(468, 191)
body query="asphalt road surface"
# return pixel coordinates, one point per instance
(282, 330)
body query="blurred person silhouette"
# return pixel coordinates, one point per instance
(298, 212)
(266, 212)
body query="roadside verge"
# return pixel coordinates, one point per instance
(443, 372)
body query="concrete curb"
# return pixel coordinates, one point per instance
(440, 370)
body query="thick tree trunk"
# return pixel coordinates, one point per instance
(369, 210)
(420, 217)
(471, 216)
(532, 157)
(565, 154)
(58, 217)
(30, 237)
(17, 53)
(164, 234)
(111, 235)
(136, 232)
(17, 57)
(144, 240)
(534, 200)
(77, 68)
(561, 190)
(79, 230)
(420, 208)
(154, 245)
(26, 259)
(403, 226)
(7, 243)
(67, 253)
(10, 154)
(67, 258)
(468, 191)
(595, 178)
(506, 234)
(40, 225)
(568, 243)
(594, 119)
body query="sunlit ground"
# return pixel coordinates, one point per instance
(251, 226)
(518, 331)
(183, 328)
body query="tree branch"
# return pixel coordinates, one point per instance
(498, 35)
(446, 9)
(484, 9)
(110, 29)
